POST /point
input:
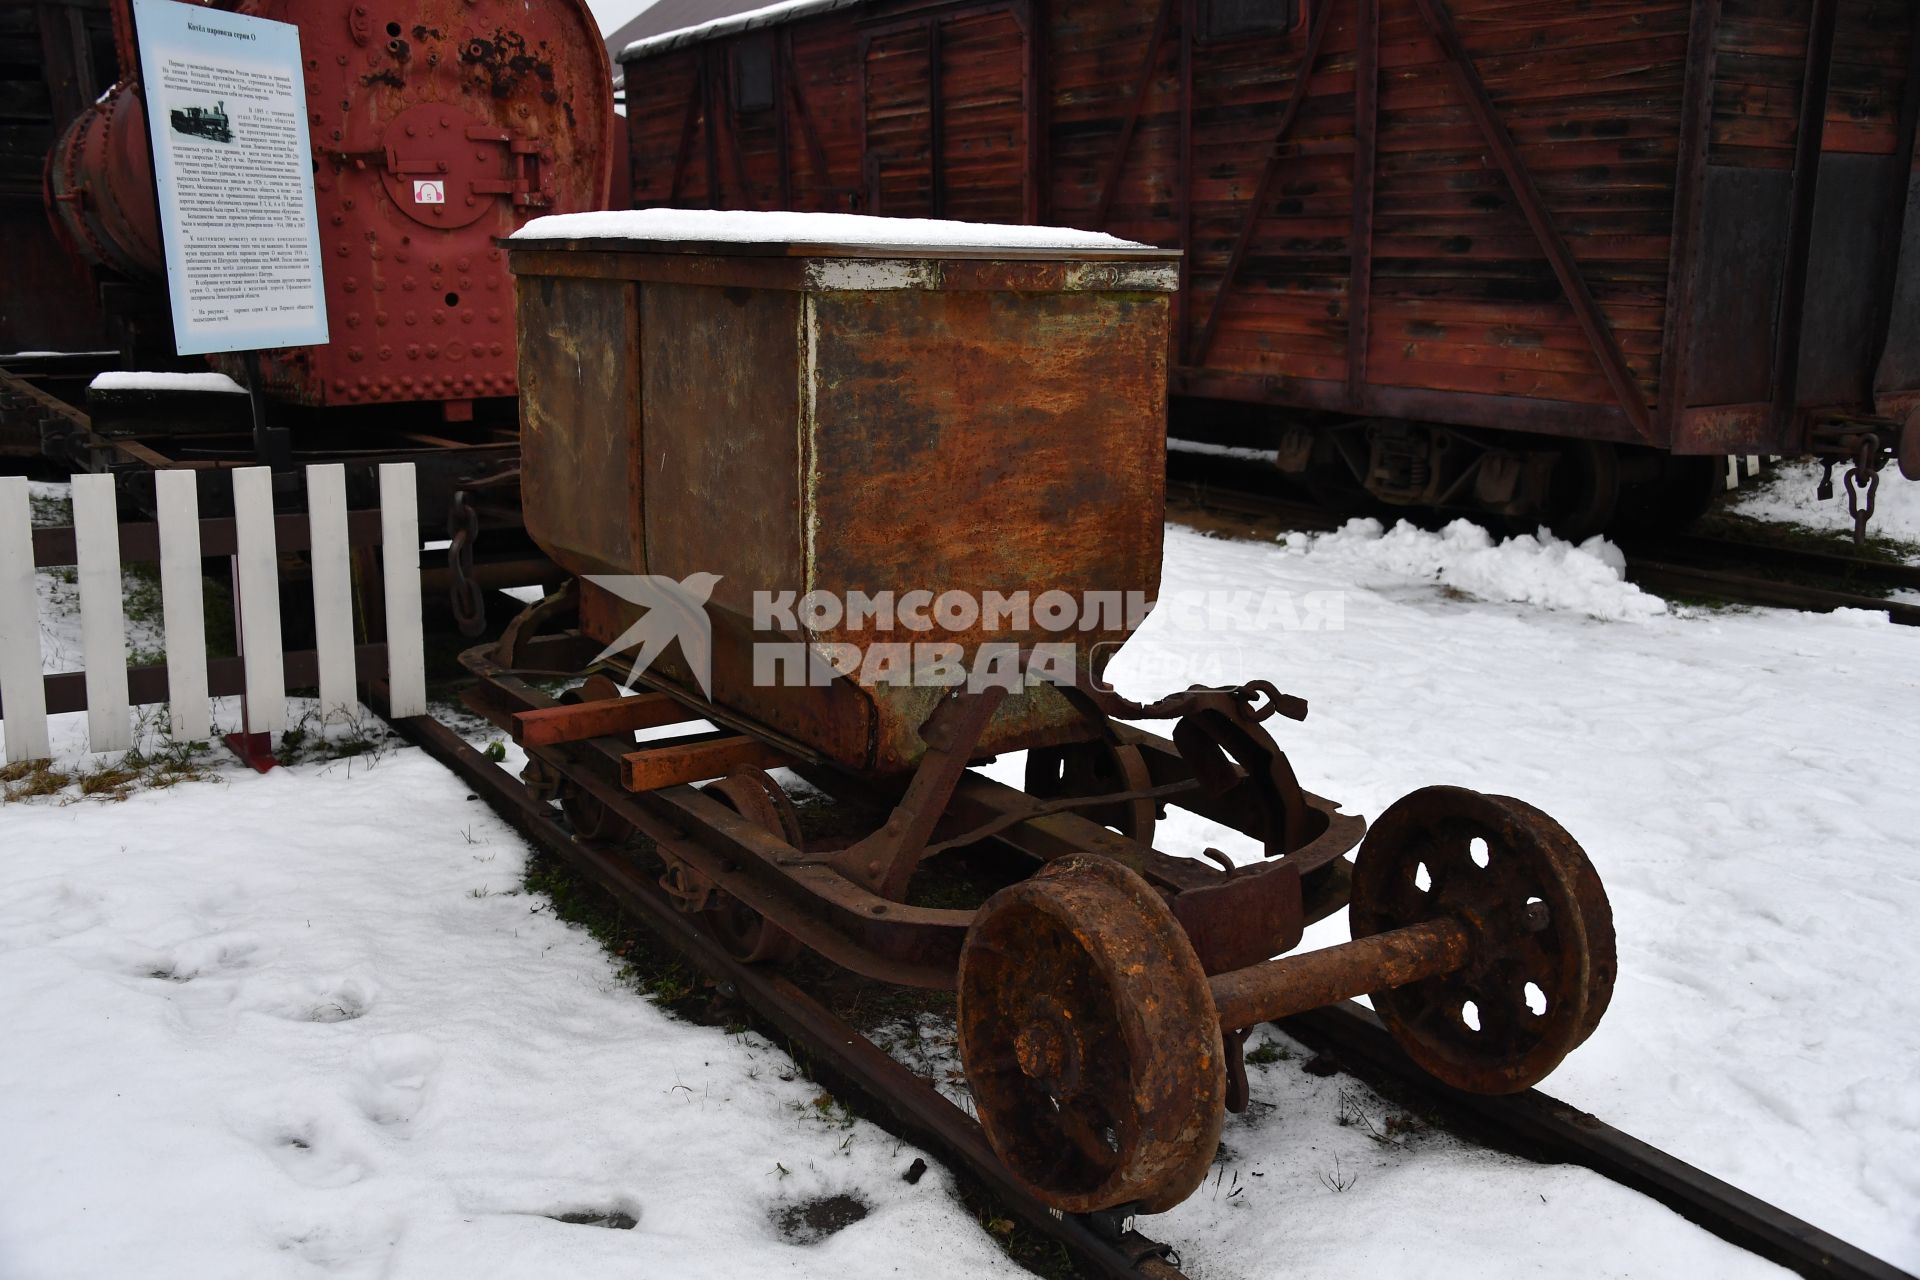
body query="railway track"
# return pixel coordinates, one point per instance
(1109, 1245)
(1690, 566)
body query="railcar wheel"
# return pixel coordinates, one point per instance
(1090, 1039)
(744, 932)
(1092, 769)
(1542, 965)
(1584, 490)
(590, 818)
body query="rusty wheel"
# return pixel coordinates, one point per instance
(1091, 769)
(744, 932)
(1090, 1041)
(1542, 963)
(589, 817)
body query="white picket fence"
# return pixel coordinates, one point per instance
(98, 537)
(1743, 467)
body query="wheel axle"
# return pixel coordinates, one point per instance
(1297, 983)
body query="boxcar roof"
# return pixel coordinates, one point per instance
(727, 24)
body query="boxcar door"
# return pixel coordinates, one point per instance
(946, 116)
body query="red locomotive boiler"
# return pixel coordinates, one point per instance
(436, 129)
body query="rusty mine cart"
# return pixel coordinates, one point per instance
(829, 415)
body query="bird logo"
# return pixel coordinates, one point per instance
(675, 609)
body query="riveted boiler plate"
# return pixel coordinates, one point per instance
(433, 167)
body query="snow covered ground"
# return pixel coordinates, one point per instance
(304, 1025)
(1789, 495)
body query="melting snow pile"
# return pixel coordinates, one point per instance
(1529, 569)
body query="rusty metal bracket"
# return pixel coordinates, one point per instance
(1220, 736)
(885, 860)
(512, 650)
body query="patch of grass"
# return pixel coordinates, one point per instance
(646, 965)
(345, 735)
(25, 779)
(164, 767)
(112, 779)
(1268, 1052)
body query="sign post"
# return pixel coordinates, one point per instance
(233, 173)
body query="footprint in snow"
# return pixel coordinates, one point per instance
(216, 953)
(391, 1077)
(314, 1150)
(576, 1204)
(50, 912)
(323, 999)
(348, 1249)
(811, 1221)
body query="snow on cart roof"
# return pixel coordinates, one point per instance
(118, 380)
(768, 15)
(851, 230)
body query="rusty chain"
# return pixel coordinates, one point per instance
(468, 601)
(1866, 461)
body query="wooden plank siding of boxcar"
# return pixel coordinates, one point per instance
(1523, 208)
(1798, 266)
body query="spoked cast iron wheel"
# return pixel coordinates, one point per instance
(1090, 1040)
(744, 932)
(1542, 961)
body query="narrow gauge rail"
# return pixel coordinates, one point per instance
(1106, 1244)
(1675, 564)
(1549, 1130)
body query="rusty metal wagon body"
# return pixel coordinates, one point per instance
(1632, 230)
(806, 414)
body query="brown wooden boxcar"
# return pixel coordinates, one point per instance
(1682, 225)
